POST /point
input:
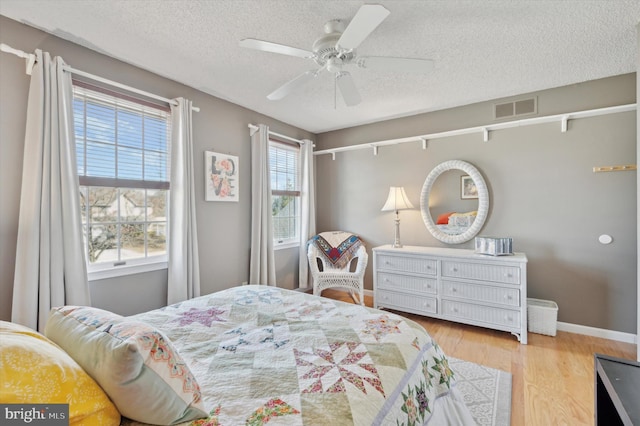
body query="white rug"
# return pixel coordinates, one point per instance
(487, 392)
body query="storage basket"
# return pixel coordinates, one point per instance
(542, 316)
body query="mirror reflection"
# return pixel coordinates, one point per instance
(454, 202)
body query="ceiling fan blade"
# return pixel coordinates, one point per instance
(368, 17)
(383, 63)
(348, 88)
(292, 85)
(267, 46)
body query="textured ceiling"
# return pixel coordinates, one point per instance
(482, 49)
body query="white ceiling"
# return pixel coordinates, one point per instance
(482, 49)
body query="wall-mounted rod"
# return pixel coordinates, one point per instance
(625, 168)
(19, 53)
(31, 57)
(253, 128)
(484, 130)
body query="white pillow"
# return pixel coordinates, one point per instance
(461, 220)
(135, 364)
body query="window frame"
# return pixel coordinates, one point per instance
(148, 263)
(279, 244)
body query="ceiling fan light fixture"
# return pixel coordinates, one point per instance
(334, 65)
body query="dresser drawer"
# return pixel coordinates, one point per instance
(407, 264)
(485, 314)
(482, 293)
(406, 283)
(406, 302)
(482, 272)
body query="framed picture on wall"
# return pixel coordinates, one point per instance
(221, 178)
(468, 188)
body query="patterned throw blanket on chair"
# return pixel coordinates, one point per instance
(338, 247)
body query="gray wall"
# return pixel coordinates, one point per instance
(224, 228)
(542, 189)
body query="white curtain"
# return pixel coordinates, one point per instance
(262, 265)
(50, 265)
(184, 269)
(307, 210)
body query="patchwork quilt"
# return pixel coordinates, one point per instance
(268, 355)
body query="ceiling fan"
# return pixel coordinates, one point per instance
(336, 50)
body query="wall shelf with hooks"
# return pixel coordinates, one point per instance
(485, 130)
(625, 168)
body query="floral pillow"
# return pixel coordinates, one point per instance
(35, 370)
(136, 364)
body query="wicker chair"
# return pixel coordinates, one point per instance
(330, 276)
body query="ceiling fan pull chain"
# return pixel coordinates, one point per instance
(335, 91)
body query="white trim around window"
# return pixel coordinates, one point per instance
(285, 245)
(135, 266)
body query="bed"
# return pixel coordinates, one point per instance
(256, 354)
(452, 229)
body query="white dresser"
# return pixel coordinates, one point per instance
(453, 284)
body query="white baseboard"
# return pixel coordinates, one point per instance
(597, 332)
(574, 328)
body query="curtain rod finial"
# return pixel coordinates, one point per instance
(252, 129)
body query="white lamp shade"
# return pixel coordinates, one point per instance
(397, 200)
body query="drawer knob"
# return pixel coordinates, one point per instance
(508, 296)
(454, 269)
(508, 318)
(454, 289)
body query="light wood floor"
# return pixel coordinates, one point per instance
(553, 377)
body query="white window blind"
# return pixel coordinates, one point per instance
(123, 158)
(119, 140)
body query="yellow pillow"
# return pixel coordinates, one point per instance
(35, 370)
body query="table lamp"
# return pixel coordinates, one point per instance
(397, 200)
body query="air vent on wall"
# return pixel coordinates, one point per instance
(515, 108)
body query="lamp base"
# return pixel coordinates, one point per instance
(396, 240)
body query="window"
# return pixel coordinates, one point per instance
(123, 156)
(284, 161)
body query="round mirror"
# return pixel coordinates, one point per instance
(451, 226)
